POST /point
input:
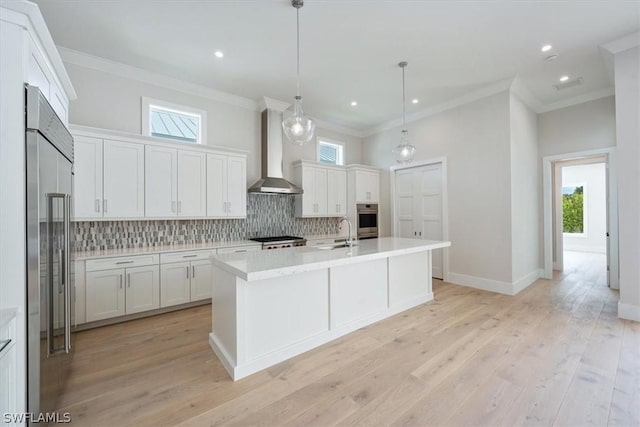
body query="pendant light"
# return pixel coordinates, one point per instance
(404, 151)
(298, 127)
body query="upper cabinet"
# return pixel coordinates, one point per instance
(144, 178)
(324, 190)
(226, 186)
(365, 183)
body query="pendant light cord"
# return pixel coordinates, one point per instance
(297, 52)
(404, 103)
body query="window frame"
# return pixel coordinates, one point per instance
(584, 234)
(148, 103)
(340, 159)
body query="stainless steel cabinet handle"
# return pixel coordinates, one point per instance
(104, 205)
(420, 233)
(193, 271)
(242, 250)
(189, 256)
(124, 262)
(129, 280)
(121, 281)
(97, 205)
(187, 272)
(4, 343)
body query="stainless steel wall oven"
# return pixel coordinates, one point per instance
(367, 221)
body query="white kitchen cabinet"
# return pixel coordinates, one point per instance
(367, 186)
(201, 278)
(175, 283)
(123, 285)
(123, 179)
(161, 181)
(105, 294)
(192, 181)
(8, 368)
(226, 186)
(87, 179)
(336, 192)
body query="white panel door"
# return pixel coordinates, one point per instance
(192, 183)
(123, 179)
(237, 186)
(216, 185)
(174, 284)
(143, 289)
(405, 212)
(336, 192)
(201, 278)
(161, 182)
(105, 294)
(429, 210)
(87, 178)
(320, 190)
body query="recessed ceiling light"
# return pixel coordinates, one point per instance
(218, 54)
(564, 78)
(546, 48)
(354, 103)
(415, 101)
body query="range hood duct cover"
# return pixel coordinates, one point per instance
(272, 181)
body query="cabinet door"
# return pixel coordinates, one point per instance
(374, 187)
(336, 192)
(309, 206)
(192, 181)
(105, 294)
(123, 174)
(87, 178)
(9, 380)
(237, 186)
(37, 74)
(143, 289)
(174, 284)
(216, 185)
(320, 191)
(201, 275)
(161, 181)
(362, 187)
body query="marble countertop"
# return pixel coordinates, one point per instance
(260, 265)
(108, 253)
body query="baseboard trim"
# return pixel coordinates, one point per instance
(629, 311)
(497, 286)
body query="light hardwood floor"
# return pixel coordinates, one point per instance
(556, 354)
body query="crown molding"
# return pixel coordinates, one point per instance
(624, 43)
(472, 96)
(134, 73)
(580, 99)
(272, 104)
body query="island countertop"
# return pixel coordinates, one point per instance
(266, 264)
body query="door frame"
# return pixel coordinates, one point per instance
(445, 204)
(548, 166)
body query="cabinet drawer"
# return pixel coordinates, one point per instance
(185, 256)
(121, 262)
(239, 249)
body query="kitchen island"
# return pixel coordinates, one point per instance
(271, 305)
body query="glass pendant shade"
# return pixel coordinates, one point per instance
(404, 152)
(297, 127)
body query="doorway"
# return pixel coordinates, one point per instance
(419, 206)
(580, 214)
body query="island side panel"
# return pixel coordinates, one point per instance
(281, 312)
(410, 280)
(223, 338)
(357, 292)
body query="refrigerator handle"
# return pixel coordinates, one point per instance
(49, 265)
(67, 273)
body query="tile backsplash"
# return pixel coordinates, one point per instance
(267, 215)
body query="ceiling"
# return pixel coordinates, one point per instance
(350, 49)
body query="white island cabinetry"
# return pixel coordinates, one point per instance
(269, 306)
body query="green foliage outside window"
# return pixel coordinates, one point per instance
(573, 209)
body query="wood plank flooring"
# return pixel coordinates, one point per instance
(556, 354)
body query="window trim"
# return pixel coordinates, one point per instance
(328, 141)
(585, 231)
(147, 103)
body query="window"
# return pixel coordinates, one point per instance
(175, 122)
(573, 209)
(330, 152)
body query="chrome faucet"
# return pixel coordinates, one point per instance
(349, 238)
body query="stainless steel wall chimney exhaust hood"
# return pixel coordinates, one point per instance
(272, 181)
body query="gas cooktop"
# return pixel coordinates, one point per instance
(280, 241)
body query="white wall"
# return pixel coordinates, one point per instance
(627, 68)
(111, 101)
(525, 193)
(475, 139)
(593, 177)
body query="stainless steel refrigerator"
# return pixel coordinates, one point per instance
(50, 291)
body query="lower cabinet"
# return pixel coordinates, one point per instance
(185, 281)
(116, 292)
(8, 369)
